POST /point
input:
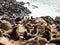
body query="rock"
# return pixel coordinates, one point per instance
(12, 9)
(57, 19)
(21, 3)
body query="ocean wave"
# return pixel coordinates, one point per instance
(46, 8)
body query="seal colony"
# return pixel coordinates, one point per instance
(16, 29)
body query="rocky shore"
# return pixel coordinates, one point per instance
(16, 29)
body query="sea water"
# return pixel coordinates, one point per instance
(45, 7)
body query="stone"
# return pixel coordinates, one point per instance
(57, 19)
